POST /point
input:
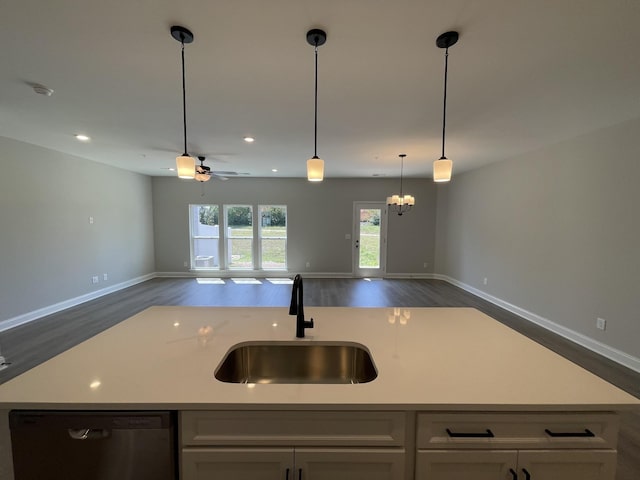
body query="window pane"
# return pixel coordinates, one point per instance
(240, 252)
(273, 237)
(205, 253)
(205, 236)
(239, 236)
(274, 253)
(370, 238)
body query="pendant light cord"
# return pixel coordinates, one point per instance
(184, 101)
(315, 123)
(444, 109)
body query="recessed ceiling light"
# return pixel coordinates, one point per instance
(274, 170)
(82, 138)
(249, 139)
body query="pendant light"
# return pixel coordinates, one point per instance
(185, 164)
(315, 165)
(443, 166)
(401, 203)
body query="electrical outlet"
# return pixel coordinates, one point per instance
(186, 264)
(484, 281)
(426, 264)
(105, 276)
(601, 324)
(95, 279)
(91, 220)
(308, 264)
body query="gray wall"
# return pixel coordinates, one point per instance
(48, 249)
(319, 216)
(555, 232)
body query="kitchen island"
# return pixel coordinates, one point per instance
(455, 389)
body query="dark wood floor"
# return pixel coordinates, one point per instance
(28, 345)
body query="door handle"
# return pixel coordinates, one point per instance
(87, 433)
(486, 434)
(586, 433)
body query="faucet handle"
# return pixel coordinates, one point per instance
(308, 323)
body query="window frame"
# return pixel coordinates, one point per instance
(194, 214)
(260, 237)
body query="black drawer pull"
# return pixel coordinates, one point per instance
(586, 433)
(513, 474)
(486, 434)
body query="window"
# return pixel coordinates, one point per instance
(228, 242)
(239, 223)
(205, 236)
(273, 237)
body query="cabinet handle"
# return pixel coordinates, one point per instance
(586, 433)
(527, 475)
(486, 434)
(513, 474)
(286, 477)
(299, 474)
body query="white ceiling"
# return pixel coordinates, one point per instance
(525, 74)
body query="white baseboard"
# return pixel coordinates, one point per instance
(249, 274)
(600, 348)
(279, 273)
(72, 302)
(410, 276)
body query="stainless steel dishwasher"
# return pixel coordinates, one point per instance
(51, 445)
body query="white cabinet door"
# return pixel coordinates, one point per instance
(237, 464)
(567, 465)
(349, 464)
(466, 464)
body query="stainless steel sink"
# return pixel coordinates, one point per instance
(297, 362)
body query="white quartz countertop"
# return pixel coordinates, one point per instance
(427, 359)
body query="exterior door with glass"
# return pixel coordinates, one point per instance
(369, 239)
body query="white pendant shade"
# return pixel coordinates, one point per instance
(315, 169)
(186, 166)
(442, 170)
(405, 200)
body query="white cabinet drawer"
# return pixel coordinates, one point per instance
(520, 430)
(276, 428)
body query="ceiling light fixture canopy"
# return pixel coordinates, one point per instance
(443, 167)
(185, 163)
(401, 203)
(315, 165)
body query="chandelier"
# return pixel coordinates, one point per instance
(401, 203)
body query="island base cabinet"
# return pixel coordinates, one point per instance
(236, 464)
(515, 465)
(292, 464)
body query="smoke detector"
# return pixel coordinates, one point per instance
(42, 90)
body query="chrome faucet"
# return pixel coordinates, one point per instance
(296, 308)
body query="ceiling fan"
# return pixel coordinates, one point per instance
(204, 173)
